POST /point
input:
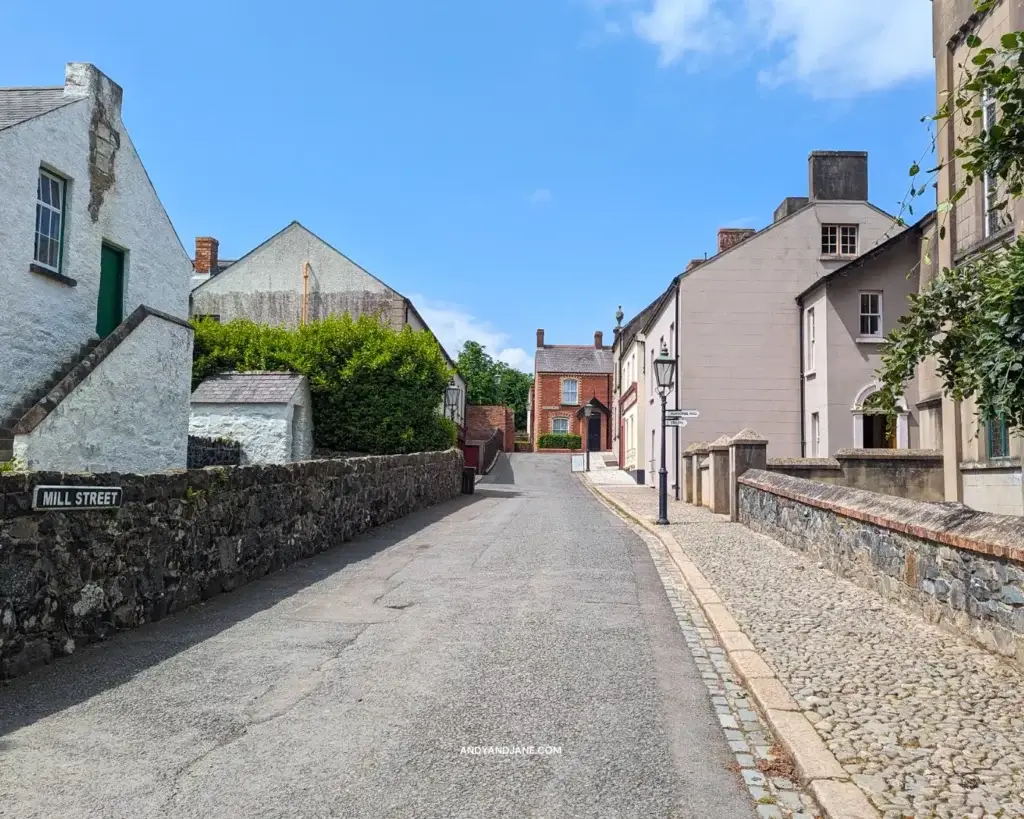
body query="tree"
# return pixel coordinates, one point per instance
(971, 316)
(374, 390)
(490, 382)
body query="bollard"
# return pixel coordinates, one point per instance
(468, 480)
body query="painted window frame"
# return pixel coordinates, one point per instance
(862, 315)
(815, 435)
(576, 400)
(993, 219)
(61, 211)
(556, 420)
(836, 236)
(810, 352)
(1001, 450)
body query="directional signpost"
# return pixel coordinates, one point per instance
(679, 417)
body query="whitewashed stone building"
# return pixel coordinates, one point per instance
(95, 347)
(269, 413)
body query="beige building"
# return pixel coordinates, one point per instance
(846, 316)
(739, 323)
(982, 461)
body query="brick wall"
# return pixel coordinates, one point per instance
(481, 421)
(547, 404)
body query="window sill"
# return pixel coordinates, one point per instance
(985, 243)
(870, 339)
(836, 257)
(57, 277)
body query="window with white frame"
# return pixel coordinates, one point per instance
(839, 240)
(50, 200)
(810, 339)
(994, 215)
(815, 435)
(570, 391)
(560, 426)
(871, 314)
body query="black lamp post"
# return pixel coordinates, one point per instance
(587, 412)
(664, 375)
(451, 398)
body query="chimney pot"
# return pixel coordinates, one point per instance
(540, 338)
(598, 340)
(206, 261)
(730, 237)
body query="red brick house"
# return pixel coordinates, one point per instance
(566, 378)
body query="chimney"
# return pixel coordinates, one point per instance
(206, 255)
(695, 263)
(84, 80)
(598, 340)
(730, 237)
(540, 339)
(840, 176)
(789, 206)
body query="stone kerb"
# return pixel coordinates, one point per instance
(696, 453)
(747, 450)
(718, 478)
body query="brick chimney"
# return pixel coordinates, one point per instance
(540, 339)
(206, 255)
(695, 263)
(730, 237)
(598, 340)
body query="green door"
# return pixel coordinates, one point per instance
(110, 305)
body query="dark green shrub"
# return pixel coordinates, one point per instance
(554, 440)
(374, 390)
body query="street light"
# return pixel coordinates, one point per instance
(664, 375)
(587, 412)
(451, 398)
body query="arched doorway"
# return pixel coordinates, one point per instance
(870, 430)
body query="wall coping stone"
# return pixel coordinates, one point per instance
(749, 437)
(804, 463)
(951, 524)
(889, 455)
(49, 402)
(700, 448)
(720, 444)
(1011, 464)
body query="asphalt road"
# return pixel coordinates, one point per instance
(347, 686)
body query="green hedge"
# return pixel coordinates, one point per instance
(558, 441)
(374, 390)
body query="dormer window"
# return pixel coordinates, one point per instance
(50, 203)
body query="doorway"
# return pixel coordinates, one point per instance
(594, 433)
(876, 433)
(110, 302)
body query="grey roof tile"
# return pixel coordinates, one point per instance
(573, 360)
(20, 104)
(248, 388)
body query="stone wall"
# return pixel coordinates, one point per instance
(959, 568)
(69, 578)
(212, 452)
(902, 473)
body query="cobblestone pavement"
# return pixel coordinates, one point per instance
(777, 796)
(926, 723)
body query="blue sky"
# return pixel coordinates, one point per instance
(508, 164)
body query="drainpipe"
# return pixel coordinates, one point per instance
(678, 389)
(305, 293)
(803, 378)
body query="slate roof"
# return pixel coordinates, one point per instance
(573, 360)
(20, 104)
(248, 388)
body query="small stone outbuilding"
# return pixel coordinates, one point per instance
(269, 413)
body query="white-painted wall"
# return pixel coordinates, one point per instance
(129, 415)
(662, 328)
(816, 376)
(268, 433)
(44, 322)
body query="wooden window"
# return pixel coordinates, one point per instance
(570, 391)
(998, 439)
(50, 213)
(810, 340)
(560, 426)
(871, 314)
(839, 240)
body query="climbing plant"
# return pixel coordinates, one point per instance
(970, 317)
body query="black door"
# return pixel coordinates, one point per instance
(594, 433)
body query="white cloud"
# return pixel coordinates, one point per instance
(832, 48)
(540, 196)
(454, 326)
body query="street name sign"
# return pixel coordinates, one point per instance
(76, 498)
(682, 413)
(675, 422)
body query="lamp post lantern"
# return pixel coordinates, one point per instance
(587, 412)
(664, 375)
(451, 398)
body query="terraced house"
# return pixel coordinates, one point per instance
(97, 351)
(982, 461)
